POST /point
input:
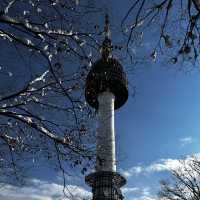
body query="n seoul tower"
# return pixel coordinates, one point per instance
(106, 91)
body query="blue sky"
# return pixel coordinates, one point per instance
(154, 129)
(160, 123)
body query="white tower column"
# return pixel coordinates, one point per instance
(106, 160)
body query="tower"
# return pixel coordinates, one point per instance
(106, 90)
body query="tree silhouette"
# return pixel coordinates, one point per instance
(45, 54)
(175, 26)
(185, 183)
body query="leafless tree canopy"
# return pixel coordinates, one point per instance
(185, 182)
(175, 26)
(45, 53)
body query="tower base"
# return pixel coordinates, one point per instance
(106, 185)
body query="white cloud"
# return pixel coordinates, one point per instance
(42, 190)
(163, 165)
(158, 166)
(186, 140)
(132, 171)
(128, 190)
(136, 193)
(146, 198)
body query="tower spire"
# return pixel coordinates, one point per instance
(107, 44)
(107, 26)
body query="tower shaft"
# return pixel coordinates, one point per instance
(105, 156)
(106, 182)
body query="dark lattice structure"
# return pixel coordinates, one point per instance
(106, 185)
